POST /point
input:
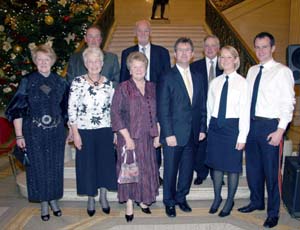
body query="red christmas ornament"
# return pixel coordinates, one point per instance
(66, 18)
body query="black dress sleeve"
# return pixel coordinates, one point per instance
(64, 101)
(18, 106)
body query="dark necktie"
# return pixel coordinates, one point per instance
(254, 93)
(211, 75)
(223, 103)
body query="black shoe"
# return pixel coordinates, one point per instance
(163, 18)
(184, 206)
(129, 218)
(213, 210)
(145, 210)
(55, 213)
(161, 181)
(271, 222)
(223, 214)
(45, 217)
(249, 208)
(91, 212)
(106, 210)
(198, 181)
(171, 211)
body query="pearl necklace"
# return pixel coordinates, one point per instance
(96, 83)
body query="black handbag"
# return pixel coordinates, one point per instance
(22, 156)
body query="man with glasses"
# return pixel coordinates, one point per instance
(181, 106)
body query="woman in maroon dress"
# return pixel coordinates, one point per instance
(133, 115)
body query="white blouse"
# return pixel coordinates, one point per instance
(89, 106)
(238, 101)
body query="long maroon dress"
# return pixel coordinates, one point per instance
(131, 110)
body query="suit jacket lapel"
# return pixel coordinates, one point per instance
(180, 81)
(196, 86)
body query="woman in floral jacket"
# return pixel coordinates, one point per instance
(89, 117)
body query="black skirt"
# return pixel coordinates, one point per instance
(221, 142)
(95, 162)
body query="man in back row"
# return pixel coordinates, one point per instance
(111, 68)
(208, 68)
(158, 61)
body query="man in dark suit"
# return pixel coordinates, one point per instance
(110, 69)
(158, 57)
(181, 104)
(208, 68)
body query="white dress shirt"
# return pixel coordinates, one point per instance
(147, 53)
(207, 61)
(238, 101)
(276, 96)
(181, 70)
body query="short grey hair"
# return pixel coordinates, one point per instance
(92, 52)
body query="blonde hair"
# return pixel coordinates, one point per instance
(43, 49)
(136, 56)
(234, 53)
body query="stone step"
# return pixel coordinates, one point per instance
(69, 170)
(164, 35)
(202, 192)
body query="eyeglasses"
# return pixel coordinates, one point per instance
(183, 50)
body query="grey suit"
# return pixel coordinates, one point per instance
(110, 69)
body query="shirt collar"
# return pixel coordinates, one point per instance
(268, 64)
(181, 70)
(146, 46)
(231, 75)
(214, 59)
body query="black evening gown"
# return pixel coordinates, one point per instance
(42, 103)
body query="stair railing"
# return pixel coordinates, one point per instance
(222, 28)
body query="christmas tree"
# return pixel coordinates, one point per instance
(59, 23)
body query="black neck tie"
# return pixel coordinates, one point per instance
(254, 93)
(223, 104)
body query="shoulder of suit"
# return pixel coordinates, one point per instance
(109, 55)
(131, 49)
(158, 47)
(76, 55)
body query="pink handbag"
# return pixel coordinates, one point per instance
(129, 173)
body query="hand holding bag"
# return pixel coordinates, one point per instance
(22, 156)
(129, 173)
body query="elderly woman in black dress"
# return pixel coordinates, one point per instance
(228, 113)
(39, 113)
(89, 118)
(134, 119)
